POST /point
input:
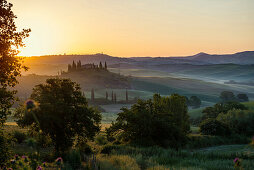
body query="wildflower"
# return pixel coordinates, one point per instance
(39, 168)
(9, 168)
(237, 162)
(44, 164)
(25, 158)
(13, 161)
(59, 161)
(16, 157)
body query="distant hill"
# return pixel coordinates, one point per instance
(246, 57)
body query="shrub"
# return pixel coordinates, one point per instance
(73, 159)
(101, 140)
(5, 152)
(214, 127)
(240, 121)
(19, 136)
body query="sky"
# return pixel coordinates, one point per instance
(129, 28)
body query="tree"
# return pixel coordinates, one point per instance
(126, 95)
(79, 64)
(227, 96)
(115, 97)
(62, 113)
(242, 97)
(195, 102)
(213, 112)
(163, 121)
(74, 66)
(69, 68)
(112, 96)
(214, 127)
(10, 65)
(100, 66)
(92, 95)
(105, 66)
(106, 95)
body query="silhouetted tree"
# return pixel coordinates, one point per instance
(195, 102)
(112, 96)
(100, 66)
(63, 113)
(79, 64)
(126, 95)
(74, 66)
(106, 95)
(105, 66)
(243, 97)
(227, 96)
(161, 121)
(92, 94)
(69, 67)
(115, 97)
(10, 65)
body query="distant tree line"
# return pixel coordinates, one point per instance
(228, 96)
(78, 66)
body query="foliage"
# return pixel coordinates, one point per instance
(101, 140)
(73, 158)
(4, 149)
(207, 158)
(242, 97)
(239, 121)
(19, 136)
(214, 127)
(227, 96)
(10, 65)
(162, 121)
(213, 112)
(194, 102)
(62, 113)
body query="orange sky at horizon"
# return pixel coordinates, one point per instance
(136, 27)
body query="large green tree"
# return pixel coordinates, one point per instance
(10, 65)
(163, 121)
(62, 112)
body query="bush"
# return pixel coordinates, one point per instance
(19, 136)
(214, 127)
(73, 159)
(42, 140)
(240, 121)
(5, 152)
(101, 140)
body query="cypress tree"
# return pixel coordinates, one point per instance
(112, 96)
(92, 95)
(115, 97)
(106, 95)
(74, 66)
(69, 67)
(100, 66)
(105, 66)
(126, 95)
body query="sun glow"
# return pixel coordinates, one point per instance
(136, 28)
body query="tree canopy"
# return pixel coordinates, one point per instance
(163, 121)
(10, 65)
(60, 110)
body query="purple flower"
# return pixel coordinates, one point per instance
(9, 168)
(39, 168)
(59, 161)
(16, 157)
(236, 160)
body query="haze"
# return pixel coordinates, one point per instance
(136, 27)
